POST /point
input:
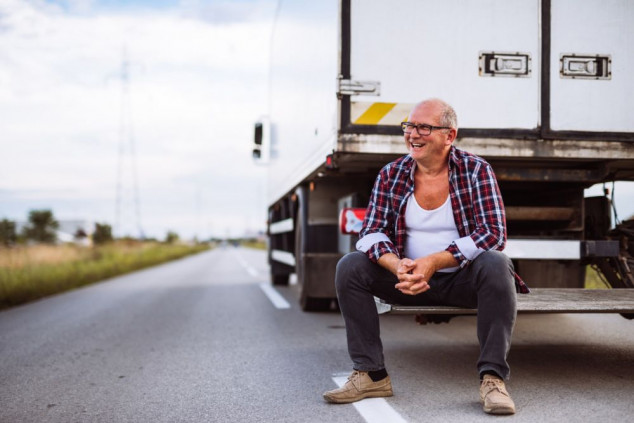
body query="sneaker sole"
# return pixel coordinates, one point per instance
(501, 410)
(372, 394)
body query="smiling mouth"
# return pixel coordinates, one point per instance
(416, 145)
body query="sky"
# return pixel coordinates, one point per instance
(79, 138)
(74, 133)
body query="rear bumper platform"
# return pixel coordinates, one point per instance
(540, 300)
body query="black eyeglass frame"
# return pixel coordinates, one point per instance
(419, 127)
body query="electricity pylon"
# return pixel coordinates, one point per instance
(126, 156)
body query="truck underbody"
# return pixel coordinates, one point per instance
(544, 200)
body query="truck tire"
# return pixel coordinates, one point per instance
(279, 280)
(315, 304)
(306, 302)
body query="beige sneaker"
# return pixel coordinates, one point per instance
(494, 396)
(359, 386)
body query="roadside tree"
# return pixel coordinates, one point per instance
(102, 234)
(42, 227)
(8, 235)
(171, 237)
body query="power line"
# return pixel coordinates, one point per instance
(127, 149)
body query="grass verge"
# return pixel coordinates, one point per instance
(258, 245)
(30, 273)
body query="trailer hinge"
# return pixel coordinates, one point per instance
(350, 87)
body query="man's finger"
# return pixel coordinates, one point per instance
(409, 281)
(410, 278)
(419, 287)
(404, 269)
(412, 289)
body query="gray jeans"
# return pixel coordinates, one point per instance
(487, 283)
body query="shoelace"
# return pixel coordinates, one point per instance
(493, 384)
(354, 378)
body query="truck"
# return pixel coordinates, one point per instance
(543, 89)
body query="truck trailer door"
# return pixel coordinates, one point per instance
(591, 65)
(482, 57)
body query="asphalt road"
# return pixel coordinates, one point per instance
(197, 340)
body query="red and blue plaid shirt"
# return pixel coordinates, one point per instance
(475, 199)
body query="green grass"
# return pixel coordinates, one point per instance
(258, 245)
(30, 273)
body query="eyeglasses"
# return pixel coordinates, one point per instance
(421, 129)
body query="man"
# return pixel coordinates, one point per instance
(432, 234)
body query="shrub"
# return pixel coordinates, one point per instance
(8, 235)
(102, 234)
(171, 237)
(42, 227)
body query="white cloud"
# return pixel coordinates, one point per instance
(197, 84)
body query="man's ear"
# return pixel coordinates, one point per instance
(451, 135)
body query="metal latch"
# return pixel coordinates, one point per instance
(597, 66)
(504, 64)
(350, 87)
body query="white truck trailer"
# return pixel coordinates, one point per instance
(543, 89)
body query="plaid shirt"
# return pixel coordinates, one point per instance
(475, 199)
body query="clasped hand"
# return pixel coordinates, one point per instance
(413, 275)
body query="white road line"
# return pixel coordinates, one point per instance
(250, 270)
(275, 297)
(373, 410)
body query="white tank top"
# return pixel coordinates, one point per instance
(429, 231)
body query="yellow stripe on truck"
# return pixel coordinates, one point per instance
(374, 114)
(369, 113)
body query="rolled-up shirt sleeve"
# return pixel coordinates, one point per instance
(488, 231)
(369, 240)
(375, 239)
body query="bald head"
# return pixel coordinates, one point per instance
(446, 114)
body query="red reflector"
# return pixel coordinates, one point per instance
(330, 162)
(351, 220)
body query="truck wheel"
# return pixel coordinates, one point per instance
(306, 302)
(280, 280)
(315, 304)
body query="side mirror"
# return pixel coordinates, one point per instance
(262, 141)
